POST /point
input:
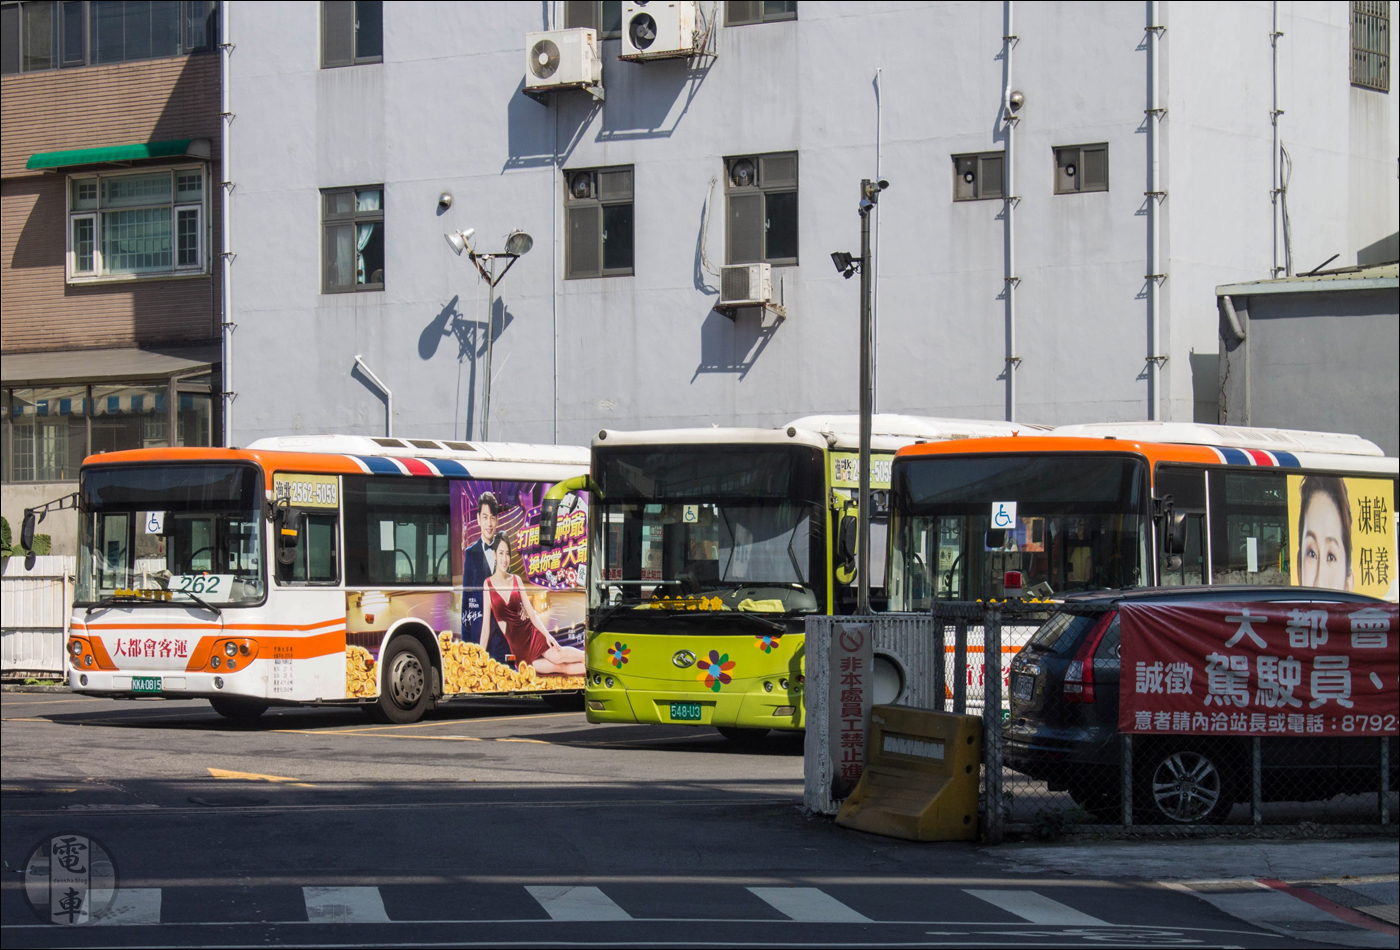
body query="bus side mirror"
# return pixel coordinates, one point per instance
(26, 531)
(846, 539)
(1175, 540)
(289, 525)
(549, 521)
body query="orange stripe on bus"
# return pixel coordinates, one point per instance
(276, 648)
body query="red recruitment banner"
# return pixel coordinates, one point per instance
(1259, 669)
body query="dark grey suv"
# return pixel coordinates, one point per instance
(1063, 726)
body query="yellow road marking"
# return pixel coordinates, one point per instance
(26, 788)
(21, 719)
(255, 777)
(536, 741)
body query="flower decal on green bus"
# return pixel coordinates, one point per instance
(767, 641)
(619, 652)
(714, 672)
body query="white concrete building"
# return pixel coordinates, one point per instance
(822, 95)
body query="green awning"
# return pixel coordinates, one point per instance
(197, 148)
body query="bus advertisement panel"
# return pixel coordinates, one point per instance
(1342, 533)
(515, 617)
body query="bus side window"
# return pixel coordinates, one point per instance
(316, 555)
(1249, 528)
(1187, 487)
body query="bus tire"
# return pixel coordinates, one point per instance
(238, 708)
(405, 689)
(743, 737)
(571, 701)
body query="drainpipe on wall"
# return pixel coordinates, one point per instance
(388, 395)
(227, 393)
(1009, 278)
(1154, 275)
(1274, 113)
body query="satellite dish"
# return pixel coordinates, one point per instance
(642, 30)
(544, 59)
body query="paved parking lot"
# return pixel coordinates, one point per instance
(500, 821)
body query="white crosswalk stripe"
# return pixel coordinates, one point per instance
(344, 905)
(1035, 908)
(563, 902)
(808, 904)
(133, 905)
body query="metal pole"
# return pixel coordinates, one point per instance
(991, 721)
(863, 511)
(226, 392)
(1013, 361)
(1256, 783)
(388, 395)
(940, 662)
(1273, 120)
(1385, 781)
(1154, 213)
(490, 336)
(960, 666)
(1126, 780)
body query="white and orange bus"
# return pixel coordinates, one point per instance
(386, 573)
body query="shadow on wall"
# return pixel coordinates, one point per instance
(1205, 387)
(646, 94)
(470, 335)
(733, 346)
(530, 131)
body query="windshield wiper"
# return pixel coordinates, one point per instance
(200, 601)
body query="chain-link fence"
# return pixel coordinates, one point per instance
(1045, 680)
(1056, 761)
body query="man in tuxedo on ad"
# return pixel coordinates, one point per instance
(478, 564)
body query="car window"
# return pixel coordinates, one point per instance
(1060, 632)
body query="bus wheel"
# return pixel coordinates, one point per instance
(743, 737)
(404, 693)
(237, 708)
(564, 702)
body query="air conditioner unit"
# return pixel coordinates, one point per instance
(746, 285)
(557, 59)
(660, 29)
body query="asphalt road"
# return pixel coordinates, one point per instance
(502, 822)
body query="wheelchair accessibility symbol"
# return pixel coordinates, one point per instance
(1003, 514)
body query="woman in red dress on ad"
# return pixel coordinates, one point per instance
(529, 641)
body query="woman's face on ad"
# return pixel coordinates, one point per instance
(1323, 554)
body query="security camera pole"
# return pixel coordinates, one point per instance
(869, 195)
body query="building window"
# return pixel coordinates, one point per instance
(136, 225)
(52, 35)
(598, 222)
(352, 32)
(604, 16)
(761, 209)
(979, 176)
(743, 12)
(1081, 168)
(48, 431)
(1370, 44)
(353, 242)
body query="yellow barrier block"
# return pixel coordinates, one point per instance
(921, 776)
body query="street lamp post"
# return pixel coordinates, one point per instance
(869, 196)
(518, 243)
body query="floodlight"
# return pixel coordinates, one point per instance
(518, 242)
(460, 240)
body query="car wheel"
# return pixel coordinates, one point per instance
(237, 708)
(1185, 785)
(743, 737)
(404, 691)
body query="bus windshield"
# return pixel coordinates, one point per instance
(194, 531)
(1081, 524)
(706, 530)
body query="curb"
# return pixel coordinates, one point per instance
(22, 688)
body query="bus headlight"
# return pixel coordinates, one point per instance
(76, 648)
(609, 681)
(231, 648)
(214, 662)
(243, 648)
(87, 660)
(232, 665)
(783, 684)
(768, 686)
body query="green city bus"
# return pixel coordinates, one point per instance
(709, 548)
